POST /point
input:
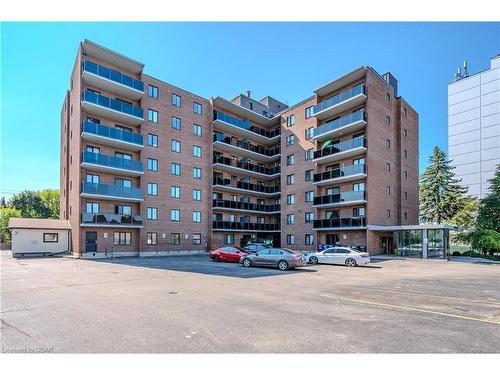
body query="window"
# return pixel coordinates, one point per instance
(405, 174)
(153, 92)
(228, 239)
(309, 196)
(405, 196)
(175, 238)
(405, 153)
(388, 120)
(197, 130)
(176, 100)
(50, 237)
(387, 97)
(290, 139)
(290, 239)
(152, 238)
(308, 112)
(175, 169)
(153, 116)
(290, 199)
(309, 133)
(93, 178)
(388, 167)
(93, 149)
(358, 212)
(175, 145)
(196, 195)
(290, 120)
(309, 154)
(152, 140)
(309, 174)
(197, 151)
(152, 188)
(360, 186)
(290, 179)
(197, 108)
(92, 207)
(152, 213)
(309, 217)
(388, 190)
(197, 173)
(123, 210)
(175, 215)
(309, 239)
(196, 238)
(175, 192)
(175, 123)
(123, 182)
(290, 159)
(388, 143)
(123, 155)
(152, 165)
(406, 216)
(196, 216)
(388, 214)
(122, 238)
(290, 219)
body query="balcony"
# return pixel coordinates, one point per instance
(343, 150)
(105, 135)
(111, 220)
(243, 206)
(230, 226)
(353, 122)
(111, 80)
(232, 165)
(345, 174)
(111, 164)
(116, 110)
(246, 149)
(351, 98)
(244, 129)
(262, 190)
(111, 192)
(345, 198)
(340, 224)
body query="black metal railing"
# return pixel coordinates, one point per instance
(246, 165)
(346, 222)
(218, 203)
(269, 152)
(245, 124)
(346, 196)
(340, 172)
(111, 219)
(247, 185)
(230, 225)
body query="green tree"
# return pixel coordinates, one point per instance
(489, 210)
(465, 220)
(30, 204)
(5, 214)
(441, 195)
(50, 198)
(3, 203)
(486, 240)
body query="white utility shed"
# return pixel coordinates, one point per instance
(39, 236)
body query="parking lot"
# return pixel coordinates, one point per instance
(187, 304)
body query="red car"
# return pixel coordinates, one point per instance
(227, 254)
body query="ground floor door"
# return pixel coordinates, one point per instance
(385, 245)
(90, 241)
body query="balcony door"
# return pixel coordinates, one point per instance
(91, 241)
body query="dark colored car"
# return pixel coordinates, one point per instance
(274, 257)
(227, 254)
(254, 247)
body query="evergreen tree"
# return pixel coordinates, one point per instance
(441, 195)
(489, 210)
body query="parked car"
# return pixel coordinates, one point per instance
(227, 254)
(339, 255)
(274, 257)
(254, 247)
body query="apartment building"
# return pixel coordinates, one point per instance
(474, 127)
(150, 169)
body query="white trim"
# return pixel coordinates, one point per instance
(110, 197)
(131, 226)
(339, 204)
(338, 229)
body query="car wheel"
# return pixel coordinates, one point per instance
(282, 265)
(313, 260)
(216, 258)
(246, 262)
(350, 262)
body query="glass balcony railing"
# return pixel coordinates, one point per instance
(339, 123)
(111, 219)
(112, 161)
(112, 190)
(247, 146)
(340, 172)
(216, 203)
(340, 147)
(245, 124)
(246, 165)
(247, 186)
(346, 222)
(339, 98)
(116, 105)
(346, 196)
(112, 75)
(108, 132)
(230, 225)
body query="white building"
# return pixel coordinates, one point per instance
(474, 127)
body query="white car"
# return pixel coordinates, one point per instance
(339, 255)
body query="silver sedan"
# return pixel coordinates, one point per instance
(274, 257)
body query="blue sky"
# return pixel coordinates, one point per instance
(284, 60)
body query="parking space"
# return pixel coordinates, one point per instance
(192, 305)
